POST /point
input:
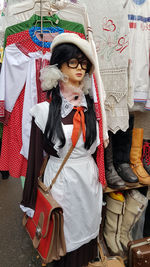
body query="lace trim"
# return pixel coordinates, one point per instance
(118, 116)
(120, 123)
(115, 84)
(116, 96)
(67, 107)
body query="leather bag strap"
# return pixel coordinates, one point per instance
(103, 258)
(43, 166)
(61, 166)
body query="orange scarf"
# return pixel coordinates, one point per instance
(78, 120)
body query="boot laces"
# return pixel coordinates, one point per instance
(146, 152)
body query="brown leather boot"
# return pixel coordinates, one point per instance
(135, 157)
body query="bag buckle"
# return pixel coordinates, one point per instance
(38, 232)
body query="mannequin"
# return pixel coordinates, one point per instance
(55, 126)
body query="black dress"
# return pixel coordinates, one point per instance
(87, 252)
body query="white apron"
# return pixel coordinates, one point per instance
(78, 191)
(77, 188)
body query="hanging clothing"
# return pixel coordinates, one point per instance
(139, 38)
(71, 13)
(11, 160)
(8, 156)
(27, 45)
(5, 21)
(54, 21)
(77, 186)
(109, 22)
(13, 140)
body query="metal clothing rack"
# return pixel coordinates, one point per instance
(41, 15)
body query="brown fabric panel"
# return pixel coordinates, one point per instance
(48, 149)
(68, 119)
(85, 253)
(79, 257)
(35, 160)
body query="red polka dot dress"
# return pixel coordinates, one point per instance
(11, 158)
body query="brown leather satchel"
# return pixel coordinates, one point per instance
(114, 261)
(46, 227)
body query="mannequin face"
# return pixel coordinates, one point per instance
(75, 69)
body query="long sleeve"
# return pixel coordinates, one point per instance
(12, 77)
(34, 164)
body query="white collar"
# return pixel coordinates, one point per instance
(67, 107)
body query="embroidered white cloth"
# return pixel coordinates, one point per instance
(109, 23)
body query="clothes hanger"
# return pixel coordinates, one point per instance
(25, 6)
(49, 12)
(41, 22)
(64, 8)
(41, 31)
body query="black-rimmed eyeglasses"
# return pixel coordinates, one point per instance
(74, 63)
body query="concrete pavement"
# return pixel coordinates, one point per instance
(16, 249)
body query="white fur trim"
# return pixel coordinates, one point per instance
(49, 77)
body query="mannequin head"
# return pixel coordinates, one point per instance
(72, 57)
(71, 61)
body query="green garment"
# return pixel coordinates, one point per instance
(55, 21)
